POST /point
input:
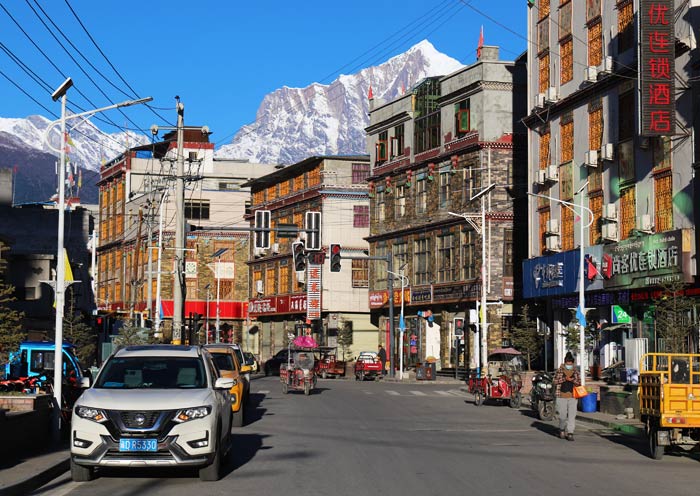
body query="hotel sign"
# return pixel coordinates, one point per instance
(657, 68)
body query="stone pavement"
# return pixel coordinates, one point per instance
(25, 473)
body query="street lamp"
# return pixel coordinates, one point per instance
(402, 322)
(217, 254)
(61, 92)
(482, 333)
(580, 314)
(206, 318)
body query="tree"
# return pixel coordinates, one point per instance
(345, 337)
(129, 334)
(673, 311)
(78, 332)
(11, 331)
(524, 336)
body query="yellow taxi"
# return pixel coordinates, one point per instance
(226, 360)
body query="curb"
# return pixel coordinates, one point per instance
(37, 480)
(630, 430)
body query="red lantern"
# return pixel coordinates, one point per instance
(455, 161)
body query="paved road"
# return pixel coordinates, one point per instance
(368, 438)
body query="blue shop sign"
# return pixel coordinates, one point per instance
(557, 274)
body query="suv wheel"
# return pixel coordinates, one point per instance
(238, 417)
(212, 472)
(81, 473)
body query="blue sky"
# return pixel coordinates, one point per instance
(223, 57)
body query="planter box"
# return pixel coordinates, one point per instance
(25, 402)
(614, 399)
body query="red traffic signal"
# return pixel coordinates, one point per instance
(335, 258)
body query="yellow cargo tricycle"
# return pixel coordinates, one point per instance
(669, 400)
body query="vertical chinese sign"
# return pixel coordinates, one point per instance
(313, 291)
(657, 68)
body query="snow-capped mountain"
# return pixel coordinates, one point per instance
(294, 123)
(88, 145)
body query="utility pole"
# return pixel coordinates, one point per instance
(149, 244)
(178, 289)
(135, 283)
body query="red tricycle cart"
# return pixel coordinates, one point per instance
(502, 380)
(328, 365)
(368, 365)
(298, 373)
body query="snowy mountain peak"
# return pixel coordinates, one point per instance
(294, 123)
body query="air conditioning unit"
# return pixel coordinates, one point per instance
(552, 226)
(552, 243)
(607, 152)
(591, 74)
(645, 224)
(591, 159)
(609, 211)
(275, 248)
(542, 176)
(539, 100)
(259, 252)
(259, 288)
(552, 95)
(553, 173)
(607, 66)
(609, 231)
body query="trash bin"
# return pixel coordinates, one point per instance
(420, 372)
(589, 403)
(430, 371)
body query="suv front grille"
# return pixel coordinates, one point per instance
(139, 419)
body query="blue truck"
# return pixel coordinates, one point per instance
(36, 359)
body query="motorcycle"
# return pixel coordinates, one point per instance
(542, 395)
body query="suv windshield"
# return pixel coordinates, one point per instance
(152, 373)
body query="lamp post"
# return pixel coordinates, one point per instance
(481, 340)
(217, 254)
(402, 321)
(581, 295)
(61, 92)
(206, 318)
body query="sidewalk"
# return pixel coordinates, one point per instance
(27, 472)
(632, 427)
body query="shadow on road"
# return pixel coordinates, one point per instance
(246, 446)
(254, 412)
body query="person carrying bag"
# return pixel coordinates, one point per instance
(566, 379)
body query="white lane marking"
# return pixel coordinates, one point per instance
(393, 393)
(368, 392)
(444, 393)
(264, 392)
(417, 393)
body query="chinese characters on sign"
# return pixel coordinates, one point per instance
(548, 275)
(657, 68)
(313, 292)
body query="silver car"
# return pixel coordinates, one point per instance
(154, 405)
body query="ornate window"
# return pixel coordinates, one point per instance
(421, 193)
(399, 201)
(421, 261)
(625, 26)
(469, 255)
(380, 202)
(360, 216)
(595, 43)
(379, 268)
(299, 182)
(544, 150)
(567, 228)
(444, 191)
(285, 280)
(446, 258)
(544, 73)
(663, 202)
(628, 212)
(315, 176)
(544, 8)
(360, 173)
(566, 52)
(360, 273)
(508, 253)
(270, 280)
(567, 141)
(595, 203)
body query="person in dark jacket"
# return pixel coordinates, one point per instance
(382, 358)
(565, 379)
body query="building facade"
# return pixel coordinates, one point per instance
(137, 225)
(282, 298)
(611, 148)
(432, 150)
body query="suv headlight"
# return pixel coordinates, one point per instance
(187, 414)
(94, 414)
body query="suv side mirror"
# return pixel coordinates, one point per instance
(224, 383)
(85, 382)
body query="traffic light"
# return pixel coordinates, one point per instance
(458, 326)
(312, 226)
(262, 221)
(335, 258)
(298, 256)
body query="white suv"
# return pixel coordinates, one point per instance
(154, 405)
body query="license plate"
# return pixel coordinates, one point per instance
(138, 445)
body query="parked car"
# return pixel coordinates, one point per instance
(251, 361)
(272, 365)
(153, 405)
(226, 360)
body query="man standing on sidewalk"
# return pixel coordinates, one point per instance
(565, 379)
(382, 358)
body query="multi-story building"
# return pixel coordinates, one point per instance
(432, 150)
(610, 121)
(336, 187)
(137, 208)
(28, 234)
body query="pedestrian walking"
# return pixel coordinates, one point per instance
(382, 358)
(566, 378)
